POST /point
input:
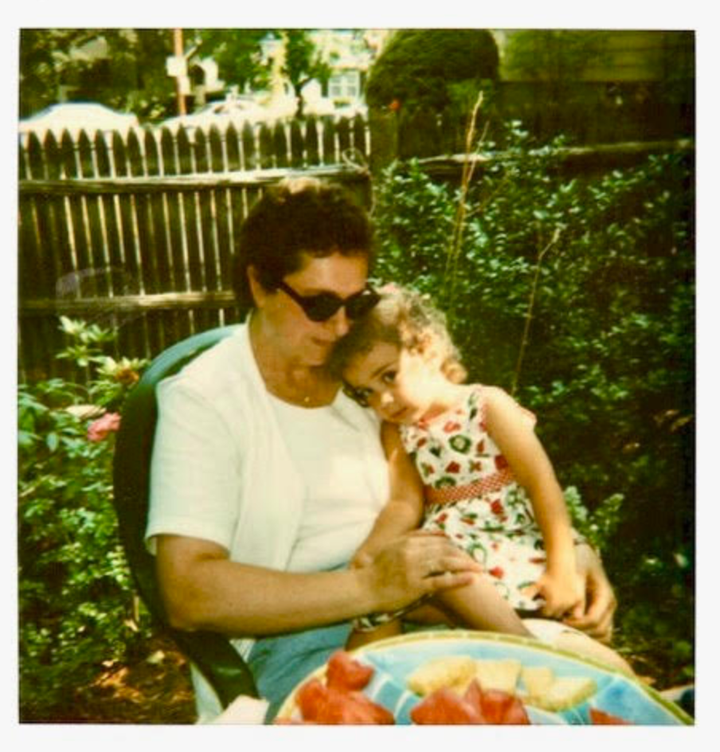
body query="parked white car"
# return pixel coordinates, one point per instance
(236, 111)
(74, 117)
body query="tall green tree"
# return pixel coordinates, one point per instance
(304, 62)
(420, 67)
(238, 54)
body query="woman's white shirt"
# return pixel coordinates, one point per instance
(340, 505)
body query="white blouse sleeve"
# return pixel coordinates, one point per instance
(195, 472)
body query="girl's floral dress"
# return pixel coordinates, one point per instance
(472, 496)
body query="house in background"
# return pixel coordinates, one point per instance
(349, 52)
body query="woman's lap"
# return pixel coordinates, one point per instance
(280, 663)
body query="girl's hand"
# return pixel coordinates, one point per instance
(414, 565)
(595, 616)
(563, 593)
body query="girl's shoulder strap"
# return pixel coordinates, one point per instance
(481, 394)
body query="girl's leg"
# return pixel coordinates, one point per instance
(358, 639)
(480, 606)
(590, 648)
(559, 635)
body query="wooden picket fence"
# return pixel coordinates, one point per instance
(135, 232)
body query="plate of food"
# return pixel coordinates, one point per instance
(466, 677)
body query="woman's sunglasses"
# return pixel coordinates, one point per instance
(325, 305)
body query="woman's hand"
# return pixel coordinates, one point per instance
(595, 615)
(417, 564)
(363, 557)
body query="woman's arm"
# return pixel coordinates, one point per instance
(404, 510)
(509, 427)
(203, 589)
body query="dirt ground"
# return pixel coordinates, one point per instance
(156, 690)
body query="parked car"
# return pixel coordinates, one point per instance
(74, 117)
(236, 111)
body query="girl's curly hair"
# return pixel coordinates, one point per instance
(404, 318)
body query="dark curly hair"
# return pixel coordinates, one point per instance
(404, 318)
(298, 216)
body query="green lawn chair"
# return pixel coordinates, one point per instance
(211, 652)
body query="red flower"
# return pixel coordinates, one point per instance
(497, 508)
(100, 428)
(421, 442)
(451, 426)
(468, 520)
(441, 517)
(480, 448)
(453, 467)
(394, 106)
(500, 462)
(497, 572)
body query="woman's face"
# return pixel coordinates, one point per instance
(304, 341)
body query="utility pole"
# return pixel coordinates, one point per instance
(179, 52)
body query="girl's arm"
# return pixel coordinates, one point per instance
(509, 427)
(404, 510)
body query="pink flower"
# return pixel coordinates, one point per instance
(99, 429)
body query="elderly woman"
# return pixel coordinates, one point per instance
(266, 478)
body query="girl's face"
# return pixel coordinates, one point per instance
(402, 386)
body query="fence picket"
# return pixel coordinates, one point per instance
(233, 149)
(161, 160)
(250, 159)
(276, 145)
(312, 146)
(359, 137)
(206, 214)
(328, 140)
(296, 143)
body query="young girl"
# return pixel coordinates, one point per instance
(464, 462)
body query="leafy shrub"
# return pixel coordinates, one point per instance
(77, 608)
(577, 295)
(419, 67)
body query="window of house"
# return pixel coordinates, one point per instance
(345, 85)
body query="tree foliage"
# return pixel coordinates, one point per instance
(121, 68)
(237, 53)
(418, 67)
(303, 63)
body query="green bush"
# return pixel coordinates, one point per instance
(424, 67)
(577, 295)
(77, 609)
